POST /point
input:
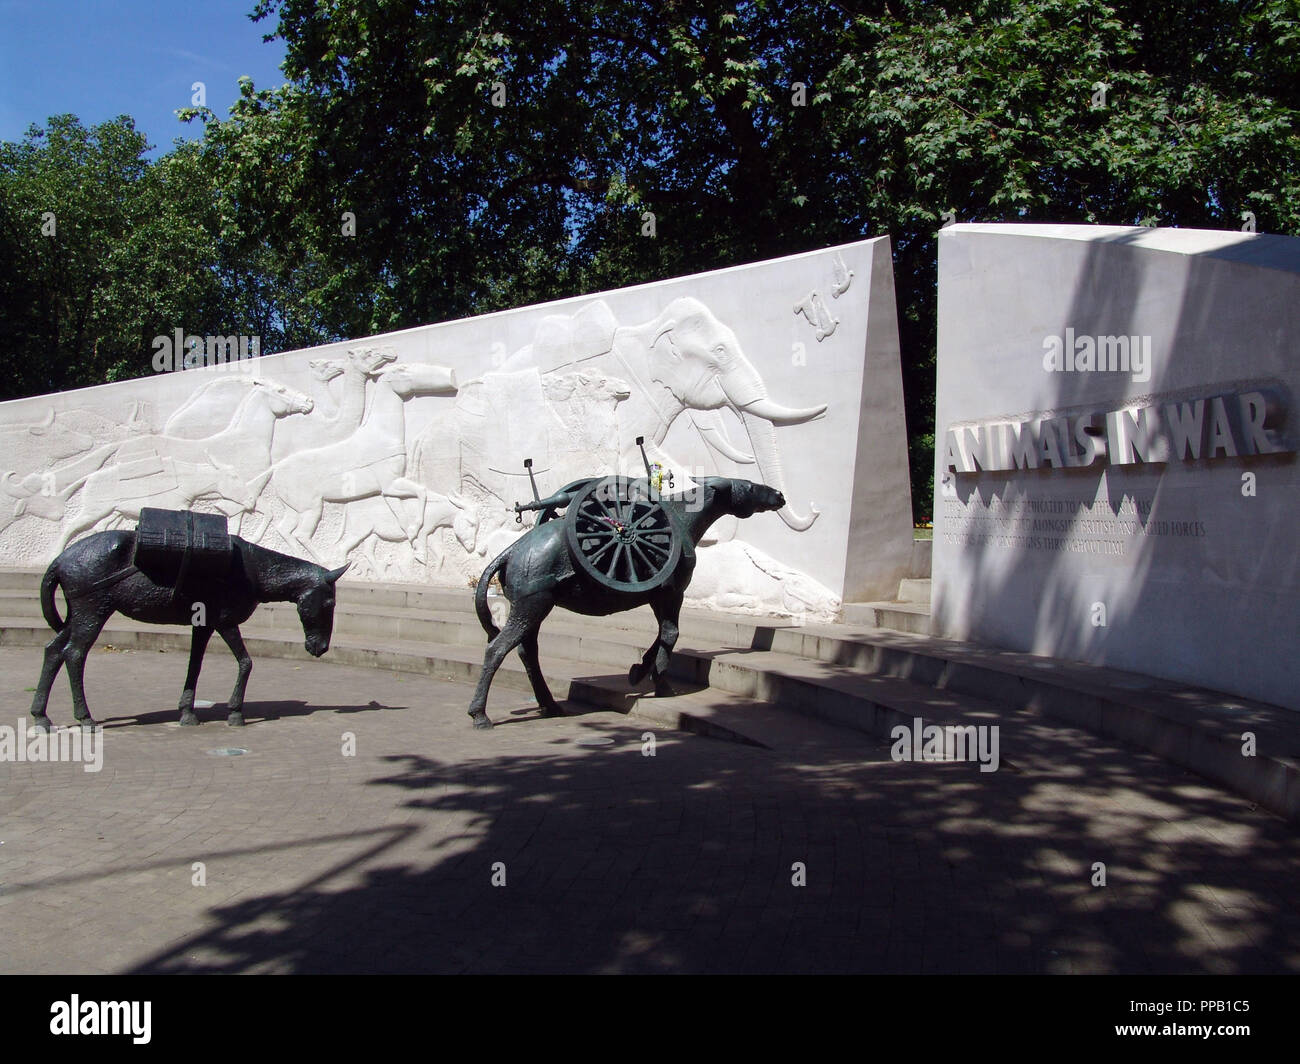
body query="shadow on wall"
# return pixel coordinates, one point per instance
(1146, 613)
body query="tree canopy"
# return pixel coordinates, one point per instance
(427, 161)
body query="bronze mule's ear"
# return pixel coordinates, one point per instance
(333, 575)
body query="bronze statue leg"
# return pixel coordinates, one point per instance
(84, 630)
(526, 615)
(528, 654)
(655, 660)
(235, 704)
(54, 650)
(198, 644)
(666, 613)
(642, 668)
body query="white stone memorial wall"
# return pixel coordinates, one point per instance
(404, 453)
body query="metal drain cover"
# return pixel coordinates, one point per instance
(601, 740)
(227, 751)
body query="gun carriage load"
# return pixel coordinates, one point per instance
(617, 529)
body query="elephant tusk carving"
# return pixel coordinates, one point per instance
(762, 435)
(783, 415)
(711, 429)
(797, 522)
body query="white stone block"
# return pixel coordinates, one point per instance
(1173, 552)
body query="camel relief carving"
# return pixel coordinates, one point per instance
(330, 421)
(356, 368)
(213, 407)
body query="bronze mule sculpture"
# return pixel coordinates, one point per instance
(100, 578)
(543, 569)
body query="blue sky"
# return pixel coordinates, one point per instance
(101, 58)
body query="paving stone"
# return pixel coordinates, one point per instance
(317, 862)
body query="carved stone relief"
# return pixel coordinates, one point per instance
(813, 307)
(332, 472)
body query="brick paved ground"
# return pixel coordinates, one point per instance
(614, 862)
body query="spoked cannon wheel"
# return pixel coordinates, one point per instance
(622, 536)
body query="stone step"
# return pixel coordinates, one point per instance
(723, 711)
(873, 705)
(958, 667)
(911, 617)
(950, 665)
(21, 579)
(619, 640)
(23, 603)
(750, 706)
(451, 605)
(705, 712)
(406, 596)
(720, 714)
(17, 582)
(914, 590)
(563, 635)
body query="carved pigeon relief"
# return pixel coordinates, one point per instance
(843, 276)
(813, 307)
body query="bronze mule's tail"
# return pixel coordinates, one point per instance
(48, 583)
(480, 594)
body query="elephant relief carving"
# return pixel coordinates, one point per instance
(683, 361)
(687, 361)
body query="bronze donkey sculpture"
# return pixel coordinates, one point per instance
(103, 574)
(538, 573)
